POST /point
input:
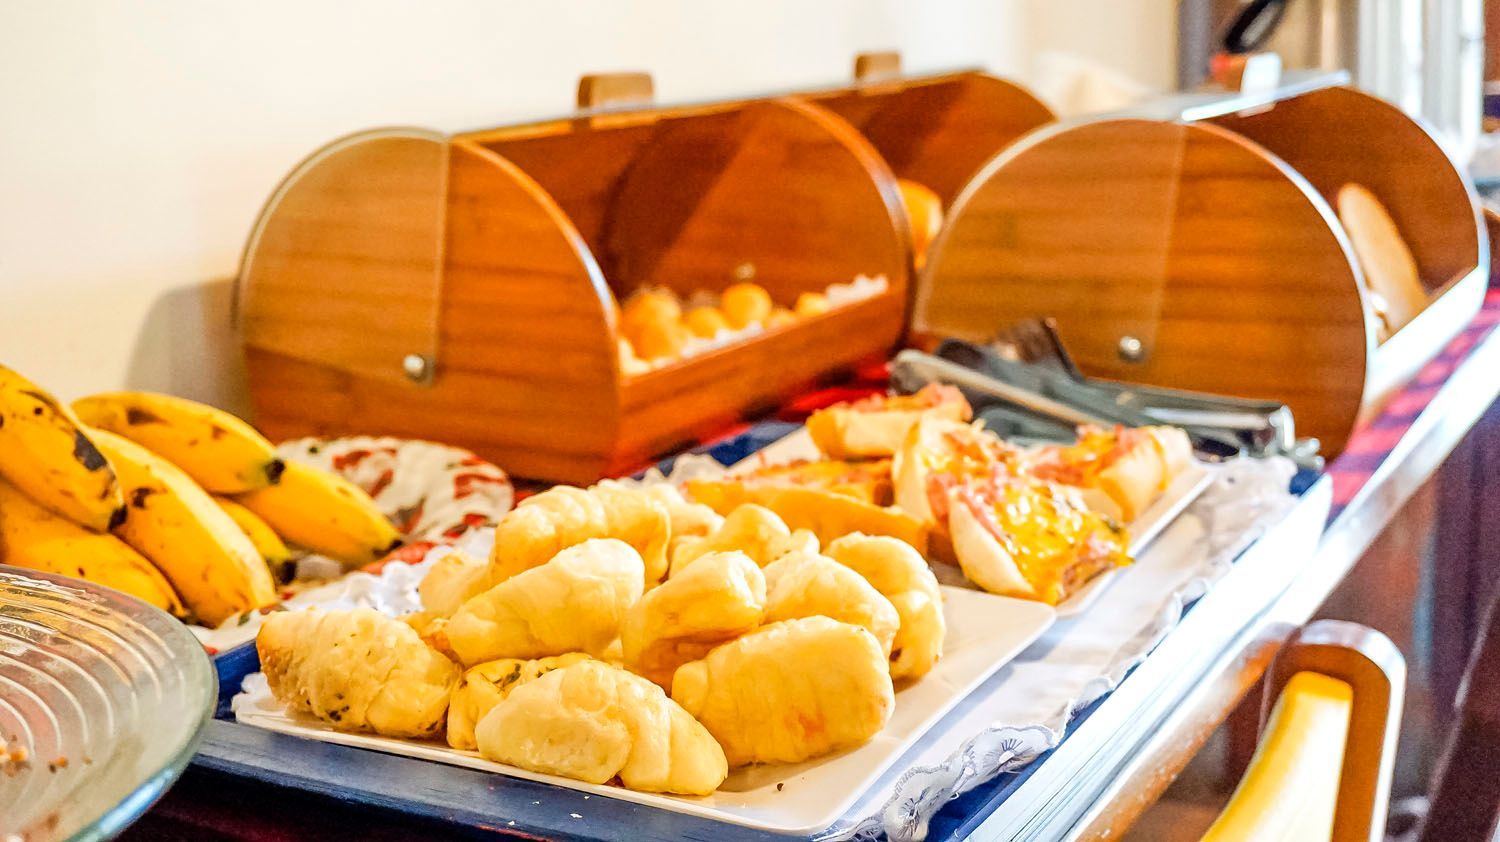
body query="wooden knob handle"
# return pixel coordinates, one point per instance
(877, 65)
(598, 90)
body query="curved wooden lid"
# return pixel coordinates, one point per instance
(1225, 266)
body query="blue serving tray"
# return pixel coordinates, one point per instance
(478, 801)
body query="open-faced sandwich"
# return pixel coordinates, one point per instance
(876, 426)
(939, 454)
(1119, 471)
(868, 480)
(1023, 537)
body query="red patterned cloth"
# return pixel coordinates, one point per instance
(1372, 442)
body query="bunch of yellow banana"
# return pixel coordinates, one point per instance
(311, 508)
(325, 513)
(219, 451)
(173, 522)
(117, 490)
(35, 538)
(45, 452)
(279, 557)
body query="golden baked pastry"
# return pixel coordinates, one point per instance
(780, 317)
(573, 603)
(1022, 537)
(902, 576)
(541, 526)
(424, 623)
(810, 585)
(647, 307)
(486, 685)
(357, 670)
(452, 580)
(1120, 471)
(811, 304)
(630, 363)
(753, 530)
(688, 519)
(789, 691)
(719, 597)
(937, 455)
(823, 513)
(877, 425)
(1393, 283)
(706, 322)
(660, 340)
(868, 480)
(592, 722)
(745, 304)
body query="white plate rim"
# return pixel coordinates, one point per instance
(1143, 531)
(1020, 636)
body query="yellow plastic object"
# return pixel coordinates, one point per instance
(1291, 787)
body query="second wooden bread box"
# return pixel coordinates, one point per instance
(1194, 244)
(463, 287)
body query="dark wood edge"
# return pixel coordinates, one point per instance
(1075, 789)
(1374, 669)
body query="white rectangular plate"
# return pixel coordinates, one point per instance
(984, 633)
(1157, 517)
(1183, 490)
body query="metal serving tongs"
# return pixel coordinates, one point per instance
(1028, 387)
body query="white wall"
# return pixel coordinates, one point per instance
(138, 140)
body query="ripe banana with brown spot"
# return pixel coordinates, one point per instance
(277, 555)
(325, 513)
(222, 453)
(46, 453)
(172, 521)
(36, 539)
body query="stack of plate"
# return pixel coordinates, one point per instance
(102, 701)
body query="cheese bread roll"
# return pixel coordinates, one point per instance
(810, 585)
(592, 722)
(902, 576)
(573, 603)
(789, 691)
(753, 530)
(720, 597)
(544, 525)
(452, 580)
(357, 670)
(486, 685)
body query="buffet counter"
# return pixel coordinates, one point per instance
(1116, 755)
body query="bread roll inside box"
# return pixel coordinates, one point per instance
(1197, 243)
(468, 287)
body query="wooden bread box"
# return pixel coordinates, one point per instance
(936, 130)
(462, 287)
(1193, 243)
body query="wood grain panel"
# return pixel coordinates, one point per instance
(1024, 242)
(351, 238)
(527, 374)
(672, 406)
(1222, 261)
(781, 186)
(522, 326)
(939, 131)
(1337, 136)
(580, 169)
